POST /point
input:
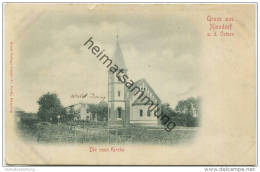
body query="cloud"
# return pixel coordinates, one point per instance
(164, 51)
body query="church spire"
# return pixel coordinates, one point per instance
(118, 55)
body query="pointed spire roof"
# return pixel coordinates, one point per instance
(118, 58)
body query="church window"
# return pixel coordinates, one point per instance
(141, 112)
(148, 113)
(119, 110)
(118, 93)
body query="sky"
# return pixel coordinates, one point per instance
(163, 49)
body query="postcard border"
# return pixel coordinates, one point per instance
(98, 2)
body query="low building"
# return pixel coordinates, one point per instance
(81, 111)
(21, 115)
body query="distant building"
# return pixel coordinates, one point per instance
(189, 108)
(195, 112)
(81, 111)
(22, 115)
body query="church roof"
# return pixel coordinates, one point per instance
(154, 97)
(118, 57)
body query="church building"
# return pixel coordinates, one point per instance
(124, 108)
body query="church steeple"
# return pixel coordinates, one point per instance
(118, 58)
(118, 106)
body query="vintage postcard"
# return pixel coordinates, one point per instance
(129, 84)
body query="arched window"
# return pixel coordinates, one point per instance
(118, 93)
(141, 112)
(119, 112)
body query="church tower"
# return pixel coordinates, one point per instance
(118, 104)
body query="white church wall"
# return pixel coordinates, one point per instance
(136, 118)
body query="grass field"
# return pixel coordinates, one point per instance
(64, 133)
